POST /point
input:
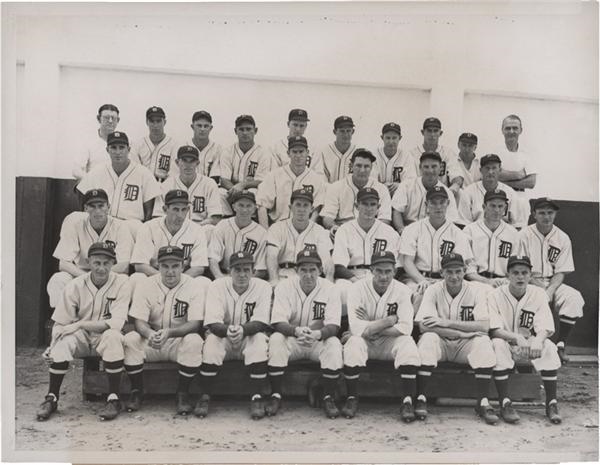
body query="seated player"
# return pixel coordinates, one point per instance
(167, 310)
(239, 233)
(285, 239)
(78, 232)
(306, 318)
(237, 318)
(297, 123)
(87, 322)
(551, 254)
(454, 322)
(381, 322)
(521, 323)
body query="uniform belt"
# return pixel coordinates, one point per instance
(359, 267)
(487, 274)
(518, 189)
(429, 274)
(287, 265)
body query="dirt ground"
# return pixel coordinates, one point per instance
(448, 429)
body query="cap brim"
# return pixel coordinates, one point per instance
(95, 199)
(316, 261)
(102, 252)
(453, 263)
(297, 145)
(241, 262)
(381, 261)
(368, 197)
(302, 197)
(436, 196)
(170, 257)
(552, 205)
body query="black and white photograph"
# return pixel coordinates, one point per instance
(301, 232)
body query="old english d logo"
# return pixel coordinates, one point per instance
(505, 249)
(187, 250)
(111, 244)
(164, 161)
(250, 246)
(446, 248)
(198, 205)
(397, 171)
(252, 167)
(180, 309)
(379, 245)
(132, 192)
(392, 309)
(106, 310)
(466, 313)
(318, 310)
(526, 319)
(249, 310)
(553, 253)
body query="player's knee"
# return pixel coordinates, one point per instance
(192, 342)
(276, 342)
(500, 345)
(428, 340)
(132, 340)
(332, 343)
(112, 336)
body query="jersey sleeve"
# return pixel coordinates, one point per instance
(224, 168)
(331, 207)
(543, 319)
(120, 306)
(524, 248)
(282, 304)
(265, 165)
(481, 310)
(317, 164)
(324, 244)
(261, 252)
(215, 307)
(216, 247)
(262, 312)
(463, 247)
(143, 250)
(68, 306)
(564, 263)
(400, 199)
(354, 298)
(199, 253)
(87, 182)
(266, 192)
(275, 235)
(198, 298)
(151, 187)
(333, 311)
(68, 247)
(452, 211)
(385, 202)
(341, 254)
(408, 240)
(320, 192)
(140, 302)
(213, 201)
(124, 247)
(428, 306)
(494, 312)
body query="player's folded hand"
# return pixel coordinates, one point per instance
(361, 313)
(535, 349)
(431, 321)
(422, 286)
(46, 355)
(68, 329)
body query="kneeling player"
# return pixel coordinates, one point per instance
(306, 317)
(381, 321)
(521, 322)
(88, 321)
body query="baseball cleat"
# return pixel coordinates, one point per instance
(47, 408)
(407, 412)
(421, 409)
(111, 410)
(552, 413)
(272, 406)
(350, 407)
(134, 402)
(330, 408)
(508, 413)
(184, 405)
(257, 409)
(201, 408)
(487, 413)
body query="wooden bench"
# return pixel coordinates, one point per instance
(378, 380)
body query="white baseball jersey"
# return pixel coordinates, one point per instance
(341, 199)
(227, 238)
(286, 239)
(549, 254)
(428, 245)
(230, 308)
(470, 205)
(279, 152)
(470, 304)
(332, 163)
(355, 246)
(469, 175)
(90, 157)
(210, 157)
(491, 249)
(320, 308)
(395, 300)
(159, 158)
(275, 191)
(205, 200)
(448, 165)
(239, 166)
(126, 192)
(162, 308)
(77, 235)
(83, 301)
(397, 169)
(409, 199)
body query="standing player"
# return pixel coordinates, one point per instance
(521, 323)
(297, 122)
(209, 153)
(95, 154)
(467, 164)
(167, 311)
(88, 321)
(237, 318)
(551, 254)
(156, 150)
(454, 321)
(393, 166)
(274, 192)
(381, 323)
(306, 318)
(287, 238)
(78, 232)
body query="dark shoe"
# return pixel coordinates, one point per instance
(350, 407)
(407, 412)
(421, 409)
(257, 409)
(184, 404)
(272, 406)
(201, 408)
(487, 413)
(47, 408)
(111, 410)
(552, 413)
(331, 410)
(508, 413)
(564, 359)
(134, 402)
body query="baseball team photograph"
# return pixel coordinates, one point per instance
(229, 251)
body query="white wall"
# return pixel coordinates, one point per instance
(465, 63)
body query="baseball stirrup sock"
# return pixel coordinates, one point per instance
(258, 378)
(408, 375)
(501, 380)
(276, 378)
(136, 376)
(57, 373)
(186, 375)
(423, 376)
(483, 378)
(549, 377)
(351, 375)
(330, 380)
(113, 372)
(208, 373)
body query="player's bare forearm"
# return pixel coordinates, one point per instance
(397, 220)
(262, 274)
(506, 176)
(328, 268)
(215, 269)
(391, 332)
(226, 183)
(328, 222)
(212, 219)
(508, 336)
(143, 328)
(195, 271)
(329, 331)
(263, 217)
(251, 183)
(470, 326)
(528, 182)
(477, 277)
(341, 272)
(555, 281)
(284, 328)
(411, 269)
(148, 209)
(189, 327)
(314, 216)
(218, 329)
(253, 327)
(70, 268)
(376, 326)
(442, 332)
(121, 267)
(94, 326)
(145, 268)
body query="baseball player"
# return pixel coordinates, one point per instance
(306, 318)
(393, 165)
(297, 123)
(78, 232)
(381, 321)
(156, 150)
(275, 190)
(454, 321)
(521, 323)
(87, 322)
(470, 207)
(239, 233)
(340, 203)
(131, 187)
(209, 152)
(551, 254)
(287, 238)
(237, 319)
(167, 310)
(95, 154)
(467, 164)
(408, 203)
(492, 240)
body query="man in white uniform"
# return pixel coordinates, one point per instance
(209, 152)
(297, 123)
(467, 164)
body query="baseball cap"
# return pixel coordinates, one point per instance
(244, 194)
(94, 195)
(201, 115)
(308, 256)
(430, 156)
(342, 121)
(360, 152)
(297, 140)
(518, 260)
(384, 256)
(176, 196)
(102, 248)
(188, 151)
(545, 202)
(241, 258)
(367, 193)
(298, 114)
(468, 137)
(495, 194)
(436, 191)
(170, 251)
(117, 137)
(432, 122)
(244, 119)
(489, 158)
(302, 194)
(452, 259)
(387, 127)
(155, 111)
